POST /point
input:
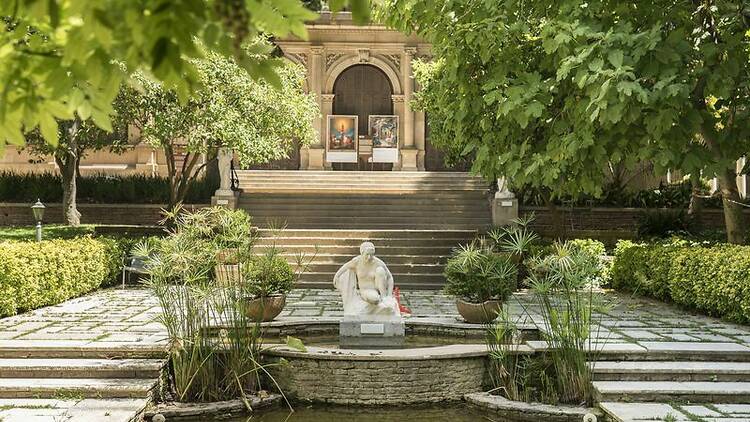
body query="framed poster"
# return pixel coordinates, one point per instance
(384, 131)
(341, 143)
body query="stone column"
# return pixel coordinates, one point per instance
(409, 151)
(504, 204)
(398, 110)
(313, 156)
(225, 196)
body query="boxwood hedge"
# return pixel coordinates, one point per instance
(714, 279)
(34, 274)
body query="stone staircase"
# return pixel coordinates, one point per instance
(415, 257)
(365, 200)
(688, 373)
(58, 372)
(414, 219)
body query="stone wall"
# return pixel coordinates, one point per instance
(19, 214)
(605, 219)
(381, 381)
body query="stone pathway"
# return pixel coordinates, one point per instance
(124, 323)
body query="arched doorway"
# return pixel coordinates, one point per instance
(362, 90)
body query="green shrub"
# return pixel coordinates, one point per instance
(34, 274)
(269, 274)
(99, 188)
(663, 222)
(712, 279)
(477, 275)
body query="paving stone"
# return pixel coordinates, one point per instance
(641, 411)
(733, 408)
(700, 411)
(641, 334)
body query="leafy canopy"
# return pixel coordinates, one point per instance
(230, 110)
(64, 57)
(548, 92)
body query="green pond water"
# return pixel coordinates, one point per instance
(448, 413)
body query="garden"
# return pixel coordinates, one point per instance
(366, 306)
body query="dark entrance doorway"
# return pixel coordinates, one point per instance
(362, 90)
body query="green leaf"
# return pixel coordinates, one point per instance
(615, 58)
(48, 128)
(295, 344)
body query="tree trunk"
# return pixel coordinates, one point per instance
(66, 159)
(695, 209)
(734, 220)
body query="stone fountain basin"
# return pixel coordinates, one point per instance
(379, 377)
(419, 373)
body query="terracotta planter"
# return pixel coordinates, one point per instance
(479, 313)
(264, 309)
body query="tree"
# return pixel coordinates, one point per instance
(231, 110)
(76, 139)
(60, 57)
(548, 93)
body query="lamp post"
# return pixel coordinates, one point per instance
(38, 210)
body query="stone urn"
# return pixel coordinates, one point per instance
(479, 313)
(265, 308)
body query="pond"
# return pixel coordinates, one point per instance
(410, 342)
(320, 413)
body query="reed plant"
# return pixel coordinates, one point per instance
(567, 311)
(204, 366)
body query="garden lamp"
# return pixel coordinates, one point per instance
(38, 210)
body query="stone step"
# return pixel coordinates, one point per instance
(348, 241)
(368, 234)
(295, 187)
(351, 251)
(324, 280)
(407, 213)
(370, 223)
(671, 371)
(331, 268)
(77, 387)
(80, 368)
(80, 349)
(668, 391)
(419, 199)
(356, 175)
(677, 351)
(324, 258)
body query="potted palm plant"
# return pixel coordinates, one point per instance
(269, 278)
(480, 280)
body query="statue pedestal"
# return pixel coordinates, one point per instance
(372, 331)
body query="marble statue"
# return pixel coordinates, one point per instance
(366, 286)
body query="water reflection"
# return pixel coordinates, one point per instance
(449, 413)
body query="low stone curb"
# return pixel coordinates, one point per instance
(518, 411)
(221, 408)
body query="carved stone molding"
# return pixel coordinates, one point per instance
(331, 59)
(397, 98)
(317, 49)
(300, 58)
(395, 60)
(328, 98)
(364, 55)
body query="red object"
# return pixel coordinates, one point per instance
(403, 309)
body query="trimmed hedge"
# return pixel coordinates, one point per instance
(712, 279)
(99, 189)
(34, 274)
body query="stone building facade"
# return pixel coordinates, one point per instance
(354, 70)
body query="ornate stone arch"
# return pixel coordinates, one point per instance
(343, 63)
